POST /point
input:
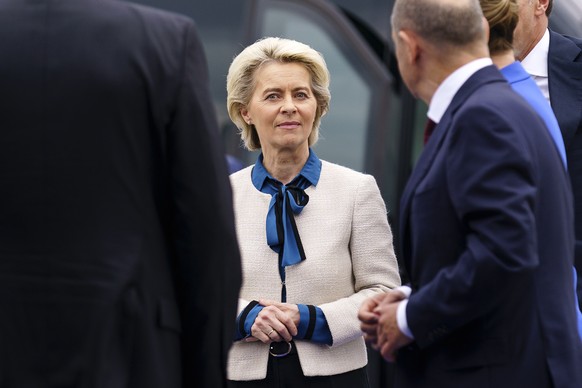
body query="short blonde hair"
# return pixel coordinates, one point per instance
(240, 81)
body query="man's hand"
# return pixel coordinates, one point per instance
(369, 317)
(389, 336)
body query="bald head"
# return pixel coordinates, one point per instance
(433, 38)
(441, 22)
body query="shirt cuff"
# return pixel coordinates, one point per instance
(303, 320)
(406, 290)
(401, 319)
(320, 332)
(249, 320)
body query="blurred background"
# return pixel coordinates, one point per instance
(374, 125)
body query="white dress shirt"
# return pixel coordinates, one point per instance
(450, 86)
(536, 64)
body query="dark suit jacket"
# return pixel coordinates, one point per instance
(487, 239)
(565, 85)
(118, 260)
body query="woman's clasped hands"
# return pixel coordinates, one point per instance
(276, 322)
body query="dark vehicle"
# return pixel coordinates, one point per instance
(374, 124)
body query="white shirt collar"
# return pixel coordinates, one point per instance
(536, 62)
(450, 86)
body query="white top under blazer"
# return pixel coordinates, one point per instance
(349, 257)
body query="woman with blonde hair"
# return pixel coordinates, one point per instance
(314, 236)
(502, 16)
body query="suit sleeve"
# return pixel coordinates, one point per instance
(491, 182)
(373, 261)
(207, 258)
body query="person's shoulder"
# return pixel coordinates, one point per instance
(147, 14)
(485, 87)
(348, 183)
(576, 40)
(558, 38)
(343, 173)
(483, 84)
(493, 99)
(241, 176)
(334, 168)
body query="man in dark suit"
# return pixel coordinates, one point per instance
(118, 259)
(555, 63)
(486, 224)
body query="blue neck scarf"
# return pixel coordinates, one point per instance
(286, 202)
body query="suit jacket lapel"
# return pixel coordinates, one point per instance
(422, 167)
(434, 146)
(564, 75)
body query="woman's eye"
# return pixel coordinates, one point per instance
(272, 97)
(301, 95)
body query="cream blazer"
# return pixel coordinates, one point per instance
(349, 257)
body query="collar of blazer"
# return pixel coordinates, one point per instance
(483, 76)
(565, 82)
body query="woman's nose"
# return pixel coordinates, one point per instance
(288, 106)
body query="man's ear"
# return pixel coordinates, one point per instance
(540, 7)
(410, 45)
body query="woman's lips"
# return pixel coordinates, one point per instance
(288, 125)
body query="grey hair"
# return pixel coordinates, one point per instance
(453, 22)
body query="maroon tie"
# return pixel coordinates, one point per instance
(428, 128)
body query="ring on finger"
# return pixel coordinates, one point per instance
(269, 333)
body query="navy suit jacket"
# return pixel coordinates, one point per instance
(565, 86)
(119, 265)
(487, 239)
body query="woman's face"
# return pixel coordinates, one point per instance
(282, 107)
